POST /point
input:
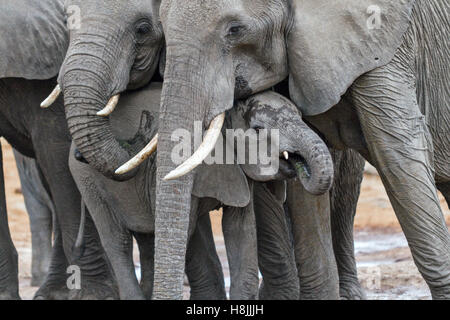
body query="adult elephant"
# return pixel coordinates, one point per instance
(114, 46)
(27, 73)
(218, 51)
(121, 209)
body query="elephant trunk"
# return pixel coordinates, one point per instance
(173, 198)
(312, 159)
(89, 80)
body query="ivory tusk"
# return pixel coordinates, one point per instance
(112, 104)
(51, 98)
(286, 155)
(140, 157)
(208, 144)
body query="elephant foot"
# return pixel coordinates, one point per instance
(94, 290)
(285, 292)
(52, 289)
(352, 291)
(9, 296)
(49, 293)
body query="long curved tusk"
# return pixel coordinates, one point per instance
(208, 144)
(140, 157)
(51, 98)
(112, 104)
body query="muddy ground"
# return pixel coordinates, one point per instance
(385, 266)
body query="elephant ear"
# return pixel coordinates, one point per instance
(225, 182)
(332, 43)
(33, 38)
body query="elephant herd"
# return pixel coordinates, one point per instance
(327, 85)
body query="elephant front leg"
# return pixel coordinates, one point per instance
(316, 264)
(401, 148)
(118, 245)
(275, 250)
(203, 267)
(55, 286)
(97, 279)
(239, 232)
(348, 168)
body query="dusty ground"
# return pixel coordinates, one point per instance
(385, 266)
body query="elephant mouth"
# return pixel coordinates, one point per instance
(294, 166)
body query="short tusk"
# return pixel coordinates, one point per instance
(208, 144)
(112, 104)
(140, 157)
(286, 155)
(51, 98)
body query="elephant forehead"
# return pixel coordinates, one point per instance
(270, 104)
(195, 13)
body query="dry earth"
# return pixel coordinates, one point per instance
(385, 266)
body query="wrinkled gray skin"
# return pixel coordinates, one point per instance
(123, 209)
(47, 140)
(117, 47)
(27, 74)
(40, 209)
(406, 132)
(234, 49)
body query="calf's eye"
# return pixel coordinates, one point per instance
(143, 29)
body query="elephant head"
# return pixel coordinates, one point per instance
(218, 50)
(114, 46)
(303, 153)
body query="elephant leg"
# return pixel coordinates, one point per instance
(97, 279)
(117, 242)
(401, 148)
(349, 169)
(54, 286)
(445, 189)
(40, 211)
(9, 273)
(146, 244)
(239, 232)
(275, 250)
(203, 267)
(314, 256)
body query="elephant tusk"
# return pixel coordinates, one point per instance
(112, 104)
(140, 157)
(286, 155)
(208, 144)
(51, 98)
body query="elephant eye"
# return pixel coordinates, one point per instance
(235, 29)
(143, 29)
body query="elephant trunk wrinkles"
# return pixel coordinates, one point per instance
(88, 80)
(317, 157)
(181, 106)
